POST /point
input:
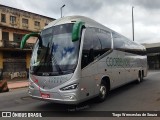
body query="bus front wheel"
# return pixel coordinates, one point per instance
(103, 91)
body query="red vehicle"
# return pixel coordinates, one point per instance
(3, 85)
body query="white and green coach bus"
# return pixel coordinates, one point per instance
(75, 59)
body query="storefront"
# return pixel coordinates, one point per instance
(154, 61)
(14, 64)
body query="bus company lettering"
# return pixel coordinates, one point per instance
(117, 61)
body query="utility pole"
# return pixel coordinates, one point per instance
(61, 9)
(132, 23)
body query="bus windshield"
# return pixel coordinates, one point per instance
(55, 53)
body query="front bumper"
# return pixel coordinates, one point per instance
(65, 98)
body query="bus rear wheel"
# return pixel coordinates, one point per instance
(140, 77)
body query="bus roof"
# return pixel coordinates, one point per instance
(72, 19)
(87, 21)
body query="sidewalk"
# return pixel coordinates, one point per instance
(17, 84)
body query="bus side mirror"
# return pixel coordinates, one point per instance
(26, 37)
(76, 32)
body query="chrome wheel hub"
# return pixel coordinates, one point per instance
(103, 91)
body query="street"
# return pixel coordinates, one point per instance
(131, 97)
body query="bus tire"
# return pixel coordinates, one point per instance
(103, 91)
(142, 75)
(140, 78)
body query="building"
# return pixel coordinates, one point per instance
(153, 55)
(14, 24)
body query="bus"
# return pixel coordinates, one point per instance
(76, 58)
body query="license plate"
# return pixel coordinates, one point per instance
(43, 95)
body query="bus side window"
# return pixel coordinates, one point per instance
(118, 42)
(124, 44)
(87, 52)
(96, 43)
(105, 40)
(97, 47)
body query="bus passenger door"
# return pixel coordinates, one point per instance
(88, 74)
(88, 64)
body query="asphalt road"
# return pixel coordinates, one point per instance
(131, 97)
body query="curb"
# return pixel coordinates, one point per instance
(12, 88)
(17, 85)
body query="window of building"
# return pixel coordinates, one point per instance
(3, 18)
(24, 21)
(5, 36)
(17, 37)
(12, 19)
(37, 24)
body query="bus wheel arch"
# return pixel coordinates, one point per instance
(104, 89)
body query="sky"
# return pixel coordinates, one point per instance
(114, 14)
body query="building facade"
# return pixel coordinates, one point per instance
(153, 55)
(14, 24)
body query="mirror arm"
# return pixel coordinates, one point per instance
(26, 37)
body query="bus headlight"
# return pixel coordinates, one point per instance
(70, 87)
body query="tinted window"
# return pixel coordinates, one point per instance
(123, 44)
(87, 53)
(88, 40)
(57, 54)
(118, 41)
(105, 40)
(96, 43)
(97, 47)
(61, 29)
